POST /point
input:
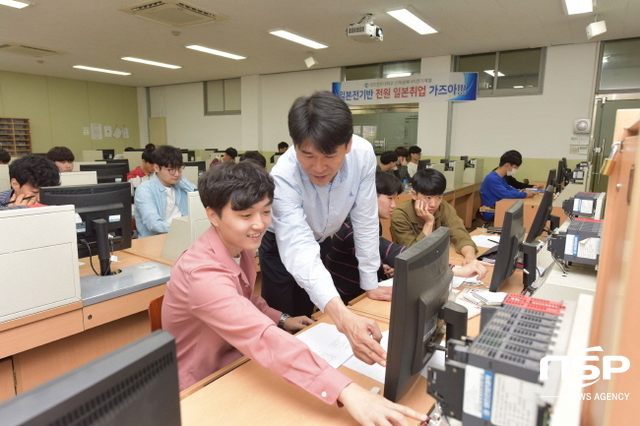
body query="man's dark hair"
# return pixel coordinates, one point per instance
(283, 145)
(36, 170)
(167, 156)
(243, 184)
(323, 119)
(5, 157)
(256, 157)
(231, 152)
(388, 156)
(511, 157)
(429, 182)
(147, 155)
(401, 151)
(60, 153)
(129, 148)
(150, 146)
(387, 184)
(415, 149)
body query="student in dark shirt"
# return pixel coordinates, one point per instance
(341, 261)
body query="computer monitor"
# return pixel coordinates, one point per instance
(423, 164)
(509, 248)
(421, 285)
(136, 385)
(114, 172)
(543, 215)
(551, 178)
(107, 154)
(119, 161)
(201, 165)
(560, 176)
(105, 210)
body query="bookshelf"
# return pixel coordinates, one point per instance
(15, 136)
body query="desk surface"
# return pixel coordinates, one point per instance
(251, 395)
(149, 248)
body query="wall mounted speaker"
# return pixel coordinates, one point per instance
(581, 126)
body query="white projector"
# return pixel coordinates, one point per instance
(364, 32)
(596, 28)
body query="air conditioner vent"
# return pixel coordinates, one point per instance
(174, 13)
(24, 50)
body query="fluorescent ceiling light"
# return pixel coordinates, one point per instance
(297, 39)
(518, 87)
(82, 67)
(576, 7)
(412, 21)
(144, 61)
(214, 52)
(492, 74)
(398, 74)
(15, 3)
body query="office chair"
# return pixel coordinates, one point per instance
(155, 313)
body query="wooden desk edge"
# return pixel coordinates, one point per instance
(213, 377)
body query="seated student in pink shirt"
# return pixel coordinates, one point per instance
(210, 308)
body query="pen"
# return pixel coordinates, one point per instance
(494, 241)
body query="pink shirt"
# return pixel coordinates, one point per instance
(210, 308)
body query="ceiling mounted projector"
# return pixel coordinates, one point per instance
(596, 28)
(365, 31)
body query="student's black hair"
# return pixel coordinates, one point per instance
(429, 182)
(231, 152)
(167, 156)
(150, 146)
(282, 145)
(60, 153)
(401, 151)
(254, 156)
(387, 184)
(511, 157)
(415, 149)
(388, 156)
(36, 170)
(5, 157)
(129, 148)
(323, 119)
(243, 184)
(147, 155)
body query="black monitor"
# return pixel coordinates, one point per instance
(560, 176)
(118, 161)
(105, 210)
(510, 246)
(543, 215)
(108, 172)
(201, 165)
(423, 164)
(551, 178)
(107, 154)
(421, 284)
(136, 385)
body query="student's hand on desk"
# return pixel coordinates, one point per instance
(372, 409)
(294, 324)
(380, 293)
(472, 269)
(530, 194)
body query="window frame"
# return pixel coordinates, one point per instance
(205, 88)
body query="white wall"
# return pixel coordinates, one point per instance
(538, 126)
(187, 126)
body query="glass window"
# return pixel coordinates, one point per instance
(515, 72)
(222, 97)
(385, 70)
(620, 65)
(362, 72)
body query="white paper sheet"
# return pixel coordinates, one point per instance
(375, 371)
(486, 241)
(328, 343)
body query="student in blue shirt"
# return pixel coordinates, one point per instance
(329, 175)
(495, 187)
(164, 196)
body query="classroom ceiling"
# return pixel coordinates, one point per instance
(96, 33)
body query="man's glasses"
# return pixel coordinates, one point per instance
(174, 171)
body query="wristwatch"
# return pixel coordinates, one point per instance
(283, 318)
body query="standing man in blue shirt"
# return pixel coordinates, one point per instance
(329, 175)
(495, 187)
